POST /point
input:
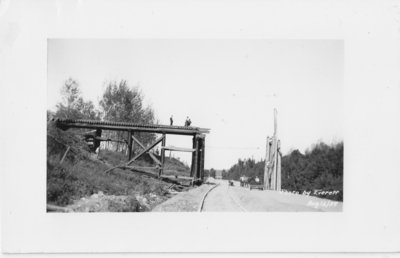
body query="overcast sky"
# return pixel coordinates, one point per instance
(228, 85)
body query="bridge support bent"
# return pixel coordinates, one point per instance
(94, 137)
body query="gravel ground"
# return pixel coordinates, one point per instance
(220, 199)
(185, 201)
(114, 203)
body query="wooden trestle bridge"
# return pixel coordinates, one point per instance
(197, 150)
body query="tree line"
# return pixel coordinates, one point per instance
(119, 103)
(319, 168)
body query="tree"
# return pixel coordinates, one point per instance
(73, 106)
(320, 168)
(121, 103)
(212, 172)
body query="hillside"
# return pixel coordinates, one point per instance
(80, 184)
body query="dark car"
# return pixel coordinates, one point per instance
(256, 183)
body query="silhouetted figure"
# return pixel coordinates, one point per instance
(188, 121)
(171, 120)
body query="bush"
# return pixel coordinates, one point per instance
(60, 185)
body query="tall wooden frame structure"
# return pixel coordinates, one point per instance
(272, 170)
(197, 150)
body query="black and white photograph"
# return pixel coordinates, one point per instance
(205, 128)
(194, 125)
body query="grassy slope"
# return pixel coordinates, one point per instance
(82, 174)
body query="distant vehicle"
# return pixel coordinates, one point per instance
(255, 183)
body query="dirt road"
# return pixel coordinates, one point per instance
(221, 199)
(234, 198)
(224, 198)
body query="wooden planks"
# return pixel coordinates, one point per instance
(150, 129)
(130, 145)
(162, 156)
(65, 154)
(177, 177)
(272, 169)
(173, 148)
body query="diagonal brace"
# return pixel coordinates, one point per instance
(151, 154)
(146, 150)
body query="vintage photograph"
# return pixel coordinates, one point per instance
(194, 125)
(200, 127)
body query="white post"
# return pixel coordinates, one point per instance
(267, 170)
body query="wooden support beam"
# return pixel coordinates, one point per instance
(273, 163)
(65, 154)
(179, 131)
(270, 163)
(194, 158)
(153, 175)
(162, 156)
(150, 154)
(129, 145)
(54, 208)
(146, 149)
(177, 177)
(141, 171)
(202, 155)
(139, 167)
(173, 148)
(127, 165)
(198, 161)
(196, 174)
(88, 132)
(193, 155)
(278, 167)
(97, 142)
(109, 140)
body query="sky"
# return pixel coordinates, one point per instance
(228, 85)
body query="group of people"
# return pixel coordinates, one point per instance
(188, 122)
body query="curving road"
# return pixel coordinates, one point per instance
(220, 199)
(239, 199)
